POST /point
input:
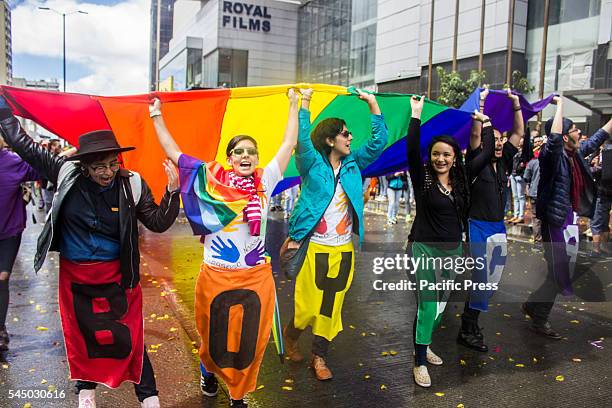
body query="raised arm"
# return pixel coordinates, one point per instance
(368, 153)
(305, 152)
(475, 136)
(413, 144)
(291, 132)
(518, 126)
(166, 141)
(42, 160)
(553, 147)
(592, 144)
(481, 159)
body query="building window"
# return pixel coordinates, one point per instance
(561, 11)
(177, 69)
(233, 67)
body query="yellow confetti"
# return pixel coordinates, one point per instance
(360, 364)
(194, 351)
(51, 388)
(351, 327)
(31, 302)
(507, 315)
(43, 381)
(560, 378)
(15, 319)
(462, 362)
(498, 333)
(366, 377)
(363, 334)
(372, 334)
(27, 405)
(575, 321)
(287, 388)
(32, 370)
(393, 352)
(289, 381)
(173, 329)
(260, 387)
(520, 365)
(535, 360)
(383, 387)
(41, 328)
(153, 316)
(162, 294)
(510, 359)
(173, 290)
(439, 394)
(5, 366)
(576, 360)
(384, 353)
(460, 405)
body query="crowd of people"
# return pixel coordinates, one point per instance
(94, 205)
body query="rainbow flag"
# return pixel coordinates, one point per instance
(209, 202)
(203, 121)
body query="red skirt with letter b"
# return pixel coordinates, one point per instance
(102, 323)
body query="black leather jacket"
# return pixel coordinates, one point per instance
(154, 217)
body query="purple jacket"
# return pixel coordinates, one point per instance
(13, 172)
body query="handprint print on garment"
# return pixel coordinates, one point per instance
(321, 227)
(342, 203)
(344, 225)
(226, 252)
(256, 255)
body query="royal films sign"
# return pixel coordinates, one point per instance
(244, 16)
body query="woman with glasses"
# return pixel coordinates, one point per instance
(93, 223)
(229, 209)
(441, 195)
(329, 209)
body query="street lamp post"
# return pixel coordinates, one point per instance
(63, 35)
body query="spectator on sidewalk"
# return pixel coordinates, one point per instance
(13, 173)
(519, 162)
(291, 195)
(395, 185)
(532, 178)
(566, 189)
(600, 224)
(94, 226)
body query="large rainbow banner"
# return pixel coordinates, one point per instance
(203, 121)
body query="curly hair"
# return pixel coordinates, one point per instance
(457, 174)
(326, 129)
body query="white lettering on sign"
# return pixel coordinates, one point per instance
(244, 16)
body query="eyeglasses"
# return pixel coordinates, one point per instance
(251, 151)
(101, 168)
(344, 133)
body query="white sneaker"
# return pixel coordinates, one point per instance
(432, 358)
(150, 402)
(87, 399)
(421, 376)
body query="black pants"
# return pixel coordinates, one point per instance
(147, 387)
(8, 253)
(542, 300)
(320, 345)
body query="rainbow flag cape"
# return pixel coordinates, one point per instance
(210, 203)
(203, 121)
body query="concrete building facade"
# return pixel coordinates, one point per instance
(6, 54)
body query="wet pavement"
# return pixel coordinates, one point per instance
(371, 359)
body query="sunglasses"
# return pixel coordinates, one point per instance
(344, 133)
(251, 151)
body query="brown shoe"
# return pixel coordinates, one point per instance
(322, 372)
(292, 350)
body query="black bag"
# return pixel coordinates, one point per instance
(606, 168)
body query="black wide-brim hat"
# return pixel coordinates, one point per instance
(96, 142)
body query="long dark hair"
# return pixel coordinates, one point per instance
(457, 174)
(326, 129)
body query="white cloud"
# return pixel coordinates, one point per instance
(111, 41)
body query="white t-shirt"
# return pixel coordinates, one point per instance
(234, 247)
(336, 226)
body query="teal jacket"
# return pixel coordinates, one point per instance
(318, 177)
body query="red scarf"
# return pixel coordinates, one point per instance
(252, 212)
(577, 181)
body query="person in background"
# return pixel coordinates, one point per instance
(291, 195)
(532, 178)
(13, 172)
(395, 185)
(600, 224)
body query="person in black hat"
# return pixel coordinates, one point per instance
(93, 225)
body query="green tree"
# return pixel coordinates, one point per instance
(520, 83)
(454, 90)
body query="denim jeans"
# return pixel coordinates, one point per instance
(393, 207)
(518, 193)
(601, 219)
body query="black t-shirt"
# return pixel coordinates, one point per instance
(487, 186)
(438, 216)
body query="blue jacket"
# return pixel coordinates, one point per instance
(554, 189)
(318, 177)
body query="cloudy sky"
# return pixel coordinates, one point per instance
(107, 50)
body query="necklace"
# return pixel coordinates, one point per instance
(443, 189)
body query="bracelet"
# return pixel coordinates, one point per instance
(517, 109)
(305, 99)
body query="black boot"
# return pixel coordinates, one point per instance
(470, 336)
